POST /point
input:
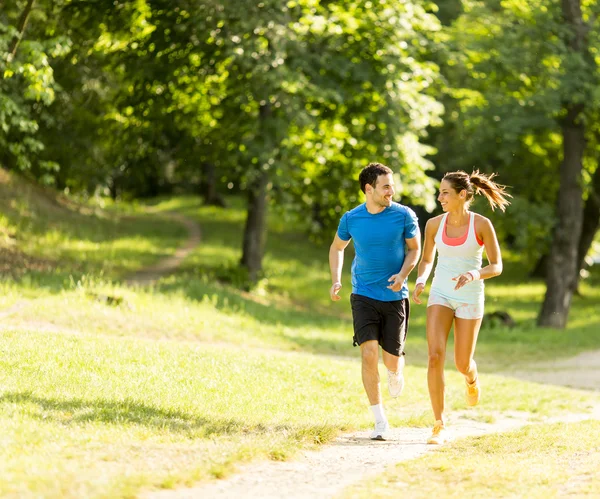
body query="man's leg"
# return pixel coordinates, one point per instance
(370, 376)
(390, 361)
(395, 330)
(370, 372)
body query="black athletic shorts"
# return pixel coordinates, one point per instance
(384, 321)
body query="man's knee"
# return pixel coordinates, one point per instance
(370, 353)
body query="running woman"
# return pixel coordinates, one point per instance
(387, 243)
(457, 291)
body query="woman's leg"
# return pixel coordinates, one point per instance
(439, 322)
(465, 340)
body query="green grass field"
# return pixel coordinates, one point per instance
(185, 379)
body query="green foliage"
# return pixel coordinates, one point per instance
(130, 99)
(26, 85)
(508, 74)
(526, 228)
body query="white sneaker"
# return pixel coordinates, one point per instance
(381, 431)
(396, 380)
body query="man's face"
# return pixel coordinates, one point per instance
(383, 190)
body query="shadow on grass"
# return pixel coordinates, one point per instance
(131, 412)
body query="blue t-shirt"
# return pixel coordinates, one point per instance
(379, 246)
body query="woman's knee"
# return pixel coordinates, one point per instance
(436, 358)
(463, 365)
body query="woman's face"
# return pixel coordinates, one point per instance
(449, 198)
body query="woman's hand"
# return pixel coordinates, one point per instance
(462, 279)
(416, 292)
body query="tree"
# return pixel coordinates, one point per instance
(26, 84)
(516, 82)
(563, 263)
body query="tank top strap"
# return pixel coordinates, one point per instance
(442, 228)
(474, 231)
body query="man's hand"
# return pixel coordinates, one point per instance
(334, 290)
(397, 281)
(417, 292)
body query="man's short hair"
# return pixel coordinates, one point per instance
(370, 173)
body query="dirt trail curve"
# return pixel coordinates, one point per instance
(150, 274)
(353, 457)
(144, 276)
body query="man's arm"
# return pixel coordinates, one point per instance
(336, 262)
(411, 258)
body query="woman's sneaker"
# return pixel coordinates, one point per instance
(438, 435)
(473, 392)
(396, 379)
(381, 431)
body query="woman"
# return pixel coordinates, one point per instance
(457, 294)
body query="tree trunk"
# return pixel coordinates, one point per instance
(256, 223)
(591, 221)
(256, 226)
(562, 264)
(208, 186)
(563, 260)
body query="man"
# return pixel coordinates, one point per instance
(387, 247)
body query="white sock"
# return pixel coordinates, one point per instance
(378, 413)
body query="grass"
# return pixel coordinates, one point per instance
(117, 414)
(538, 461)
(48, 240)
(183, 380)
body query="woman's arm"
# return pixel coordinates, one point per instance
(426, 263)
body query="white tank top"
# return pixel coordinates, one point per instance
(457, 255)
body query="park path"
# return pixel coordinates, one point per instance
(581, 371)
(353, 457)
(152, 273)
(348, 460)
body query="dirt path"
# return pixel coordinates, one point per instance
(581, 371)
(349, 459)
(154, 272)
(353, 457)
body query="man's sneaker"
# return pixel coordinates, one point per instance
(473, 392)
(438, 435)
(396, 380)
(381, 431)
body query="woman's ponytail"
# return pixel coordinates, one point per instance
(479, 183)
(495, 193)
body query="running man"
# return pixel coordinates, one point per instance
(457, 291)
(387, 244)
